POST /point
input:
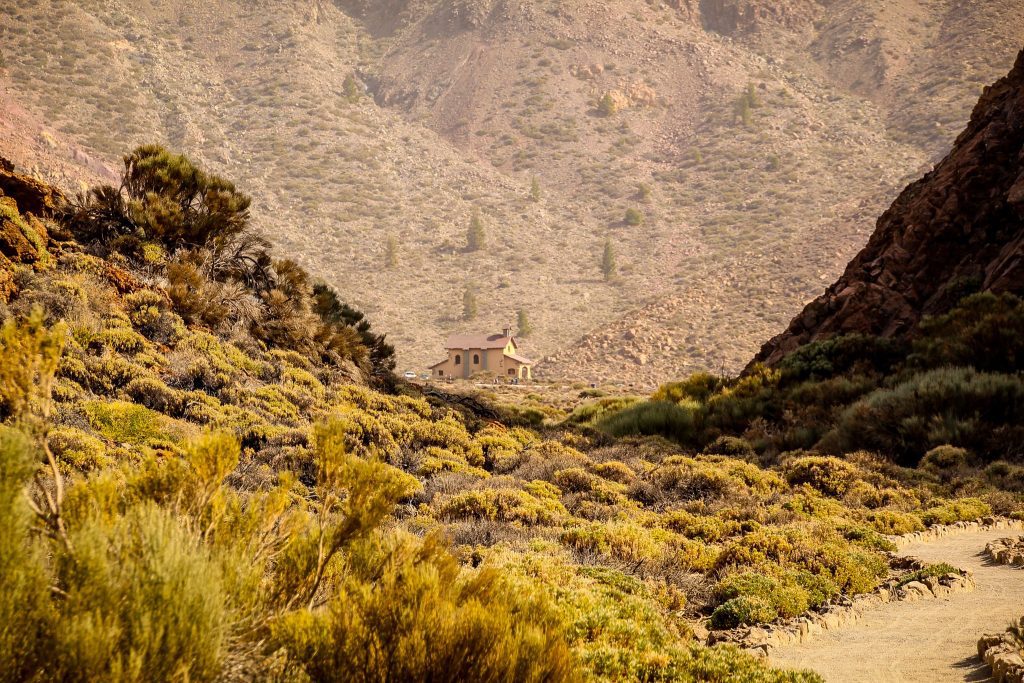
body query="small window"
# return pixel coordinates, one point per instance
(458, 359)
(440, 373)
(512, 372)
(476, 359)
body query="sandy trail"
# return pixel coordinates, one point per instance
(932, 640)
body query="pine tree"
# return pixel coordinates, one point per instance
(468, 304)
(745, 104)
(475, 236)
(606, 106)
(391, 253)
(752, 97)
(350, 88)
(535, 189)
(523, 323)
(608, 260)
(742, 110)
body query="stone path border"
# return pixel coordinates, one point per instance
(938, 531)
(843, 611)
(1002, 652)
(1009, 551)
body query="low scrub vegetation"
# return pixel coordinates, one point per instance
(253, 496)
(956, 389)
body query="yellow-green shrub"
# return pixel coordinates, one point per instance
(783, 597)
(619, 630)
(829, 475)
(499, 504)
(29, 356)
(575, 479)
(830, 562)
(26, 614)
(742, 610)
(624, 541)
(963, 509)
(144, 307)
(121, 340)
(124, 422)
(425, 619)
(894, 522)
(79, 450)
(616, 471)
(155, 395)
(705, 528)
(434, 460)
(143, 600)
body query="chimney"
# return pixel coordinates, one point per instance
(507, 331)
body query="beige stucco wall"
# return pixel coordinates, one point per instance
(493, 361)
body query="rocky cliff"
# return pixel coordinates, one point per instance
(958, 230)
(739, 17)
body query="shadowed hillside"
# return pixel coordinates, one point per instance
(957, 231)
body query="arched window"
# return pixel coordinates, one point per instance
(458, 359)
(476, 359)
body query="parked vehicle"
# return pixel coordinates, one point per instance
(409, 374)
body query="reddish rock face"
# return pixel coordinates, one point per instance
(32, 196)
(957, 230)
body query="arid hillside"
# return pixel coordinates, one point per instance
(751, 144)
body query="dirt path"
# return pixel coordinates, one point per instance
(932, 641)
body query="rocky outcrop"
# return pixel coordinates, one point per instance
(32, 196)
(958, 229)
(743, 17)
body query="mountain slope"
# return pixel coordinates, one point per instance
(959, 229)
(354, 122)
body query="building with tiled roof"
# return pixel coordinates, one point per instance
(469, 354)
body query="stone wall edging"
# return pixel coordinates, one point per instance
(1007, 551)
(1002, 652)
(843, 611)
(934, 533)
